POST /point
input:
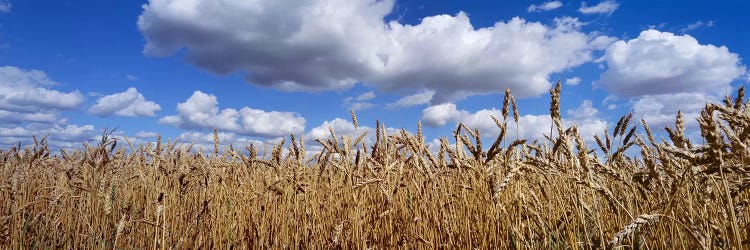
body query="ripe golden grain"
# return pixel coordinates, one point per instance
(397, 193)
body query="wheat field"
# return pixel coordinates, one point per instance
(628, 190)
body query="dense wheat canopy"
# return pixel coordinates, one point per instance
(629, 190)
(374, 124)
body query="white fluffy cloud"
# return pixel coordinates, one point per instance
(660, 63)
(439, 115)
(129, 103)
(201, 111)
(604, 7)
(419, 98)
(26, 97)
(585, 111)
(206, 140)
(18, 117)
(602, 42)
(59, 136)
(287, 44)
(573, 81)
(344, 127)
(661, 73)
(446, 54)
(661, 110)
(333, 44)
(551, 5)
(529, 126)
(27, 92)
(29, 107)
(340, 126)
(65, 133)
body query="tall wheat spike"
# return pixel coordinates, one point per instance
(381, 190)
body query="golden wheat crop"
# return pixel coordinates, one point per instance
(632, 191)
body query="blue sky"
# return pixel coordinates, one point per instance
(259, 70)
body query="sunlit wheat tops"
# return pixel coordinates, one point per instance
(628, 190)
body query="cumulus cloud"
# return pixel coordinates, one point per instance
(29, 107)
(585, 111)
(661, 73)
(340, 126)
(66, 133)
(59, 136)
(285, 43)
(441, 114)
(26, 96)
(206, 140)
(528, 127)
(18, 117)
(201, 112)
(660, 63)
(129, 103)
(661, 110)
(573, 81)
(531, 126)
(448, 55)
(604, 7)
(551, 5)
(602, 42)
(294, 46)
(27, 91)
(419, 98)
